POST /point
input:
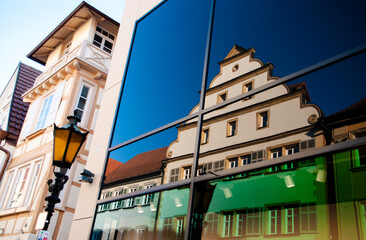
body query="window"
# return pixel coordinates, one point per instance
(103, 39)
(262, 120)
(219, 166)
(254, 221)
(292, 149)
(289, 220)
(146, 199)
(180, 227)
(276, 152)
(283, 220)
(239, 224)
(231, 128)
(67, 48)
(304, 145)
(222, 97)
(212, 224)
(130, 202)
(245, 159)
(258, 156)
(204, 136)
(10, 178)
(359, 157)
(274, 221)
(233, 162)
(167, 227)
(82, 100)
(227, 224)
(19, 188)
(246, 88)
(32, 185)
(174, 175)
(44, 112)
(308, 218)
(186, 172)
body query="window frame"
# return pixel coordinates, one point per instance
(232, 129)
(42, 114)
(22, 191)
(261, 119)
(88, 99)
(104, 39)
(245, 89)
(220, 97)
(205, 135)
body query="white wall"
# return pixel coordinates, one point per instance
(88, 196)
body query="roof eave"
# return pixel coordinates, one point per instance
(73, 13)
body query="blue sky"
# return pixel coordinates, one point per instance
(24, 24)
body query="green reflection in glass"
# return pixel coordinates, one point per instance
(316, 198)
(282, 200)
(151, 216)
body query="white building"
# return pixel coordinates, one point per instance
(76, 55)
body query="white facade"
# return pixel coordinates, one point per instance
(74, 79)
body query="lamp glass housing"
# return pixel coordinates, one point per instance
(67, 142)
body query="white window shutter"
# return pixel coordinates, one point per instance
(55, 104)
(27, 126)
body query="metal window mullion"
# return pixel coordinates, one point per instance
(190, 208)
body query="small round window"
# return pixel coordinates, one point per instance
(235, 68)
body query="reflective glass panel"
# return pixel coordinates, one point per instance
(145, 163)
(160, 215)
(165, 68)
(290, 34)
(292, 117)
(289, 200)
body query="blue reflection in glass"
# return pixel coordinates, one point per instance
(293, 35)
(165, 69)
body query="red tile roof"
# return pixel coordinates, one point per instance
(142, 164)
(25, 79)
(353, 113)
(112, 165)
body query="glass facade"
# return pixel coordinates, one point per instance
(268, 144)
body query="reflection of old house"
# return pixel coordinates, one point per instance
(141, 172)
(260, 196)
(350, 170)
(76, 55)
(268, 125)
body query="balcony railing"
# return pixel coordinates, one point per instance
(85, 51)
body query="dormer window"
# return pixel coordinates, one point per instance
(103, 39)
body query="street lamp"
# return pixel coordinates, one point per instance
(68, 140)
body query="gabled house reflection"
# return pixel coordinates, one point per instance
(287, 201)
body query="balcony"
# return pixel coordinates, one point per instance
(86, 52)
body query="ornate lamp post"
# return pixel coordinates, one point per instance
(68, 140)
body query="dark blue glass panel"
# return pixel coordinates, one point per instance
(165, 68)
(290, 34)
